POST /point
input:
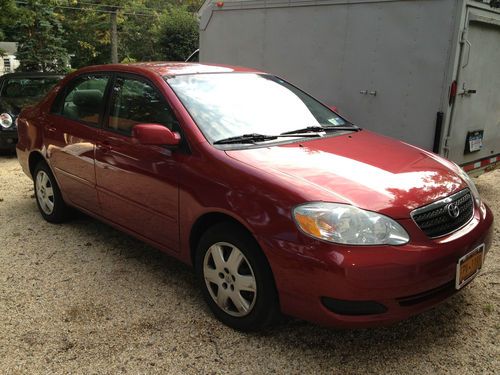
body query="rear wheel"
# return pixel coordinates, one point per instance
(235, 277)
(48, 196)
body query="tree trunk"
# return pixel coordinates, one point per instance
(114, 38)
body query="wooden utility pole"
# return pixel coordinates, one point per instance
(114, 37)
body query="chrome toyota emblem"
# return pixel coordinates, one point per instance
(453, 210)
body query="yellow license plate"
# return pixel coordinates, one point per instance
(469, 266)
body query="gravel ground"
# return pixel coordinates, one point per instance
(84, 298)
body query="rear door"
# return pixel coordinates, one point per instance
(137, 184)
(71, 133)
(475, 126)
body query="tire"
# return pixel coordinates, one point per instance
(48, 196)
(236, 279)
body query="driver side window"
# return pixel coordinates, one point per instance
(138, 102)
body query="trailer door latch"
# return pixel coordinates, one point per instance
(466, 92)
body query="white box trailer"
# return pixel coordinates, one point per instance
(423, 71)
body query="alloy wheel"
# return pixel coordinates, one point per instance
(44, 192)
(230, 279)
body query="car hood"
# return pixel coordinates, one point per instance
(365, 169)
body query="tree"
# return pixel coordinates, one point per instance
(7, 14)
(51, 31)
(158, 29)
(178, 34)
(40, 36)
(87, 37)
(138, 34)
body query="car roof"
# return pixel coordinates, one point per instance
(35, 74)
(169, 68)
(31, 74)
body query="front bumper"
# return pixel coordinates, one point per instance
(406, 280)
(8, 139)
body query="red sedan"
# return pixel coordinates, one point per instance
(279, 203)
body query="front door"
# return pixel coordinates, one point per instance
(137, 185)
(71, 133)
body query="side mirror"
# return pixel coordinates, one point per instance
(155, 135)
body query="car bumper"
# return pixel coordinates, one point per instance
(404, 280)
(8, 139)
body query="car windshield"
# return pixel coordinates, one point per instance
(228, 105)
(23, 91)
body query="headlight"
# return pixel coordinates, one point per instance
(5, 120)
(471, 185)
(346, 224)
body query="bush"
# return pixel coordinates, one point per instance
(179, 33)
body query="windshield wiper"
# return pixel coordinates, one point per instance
(256, 137)
(246, 138)
(319, 129)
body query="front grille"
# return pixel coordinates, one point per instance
(436, 220)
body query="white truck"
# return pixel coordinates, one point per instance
(423, 71)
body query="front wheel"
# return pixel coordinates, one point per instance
(235, 277)
(48, 196)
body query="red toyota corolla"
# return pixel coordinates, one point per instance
(279, 202)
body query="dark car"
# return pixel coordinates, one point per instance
(18, 90)
(279, 203)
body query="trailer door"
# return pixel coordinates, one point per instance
(475, 126)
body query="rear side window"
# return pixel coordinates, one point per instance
(85, 99)
(138, 102)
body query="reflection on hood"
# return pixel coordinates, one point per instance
(364, 169)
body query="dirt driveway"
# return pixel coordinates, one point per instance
(84, 298)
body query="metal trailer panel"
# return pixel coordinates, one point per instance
(477, 69)
(407, 51)
(382, 63)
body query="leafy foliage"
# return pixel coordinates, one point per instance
(169, 33)
(41, 43)
(52, 33)
(87, 37)
(7, 14)
(178, 34)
